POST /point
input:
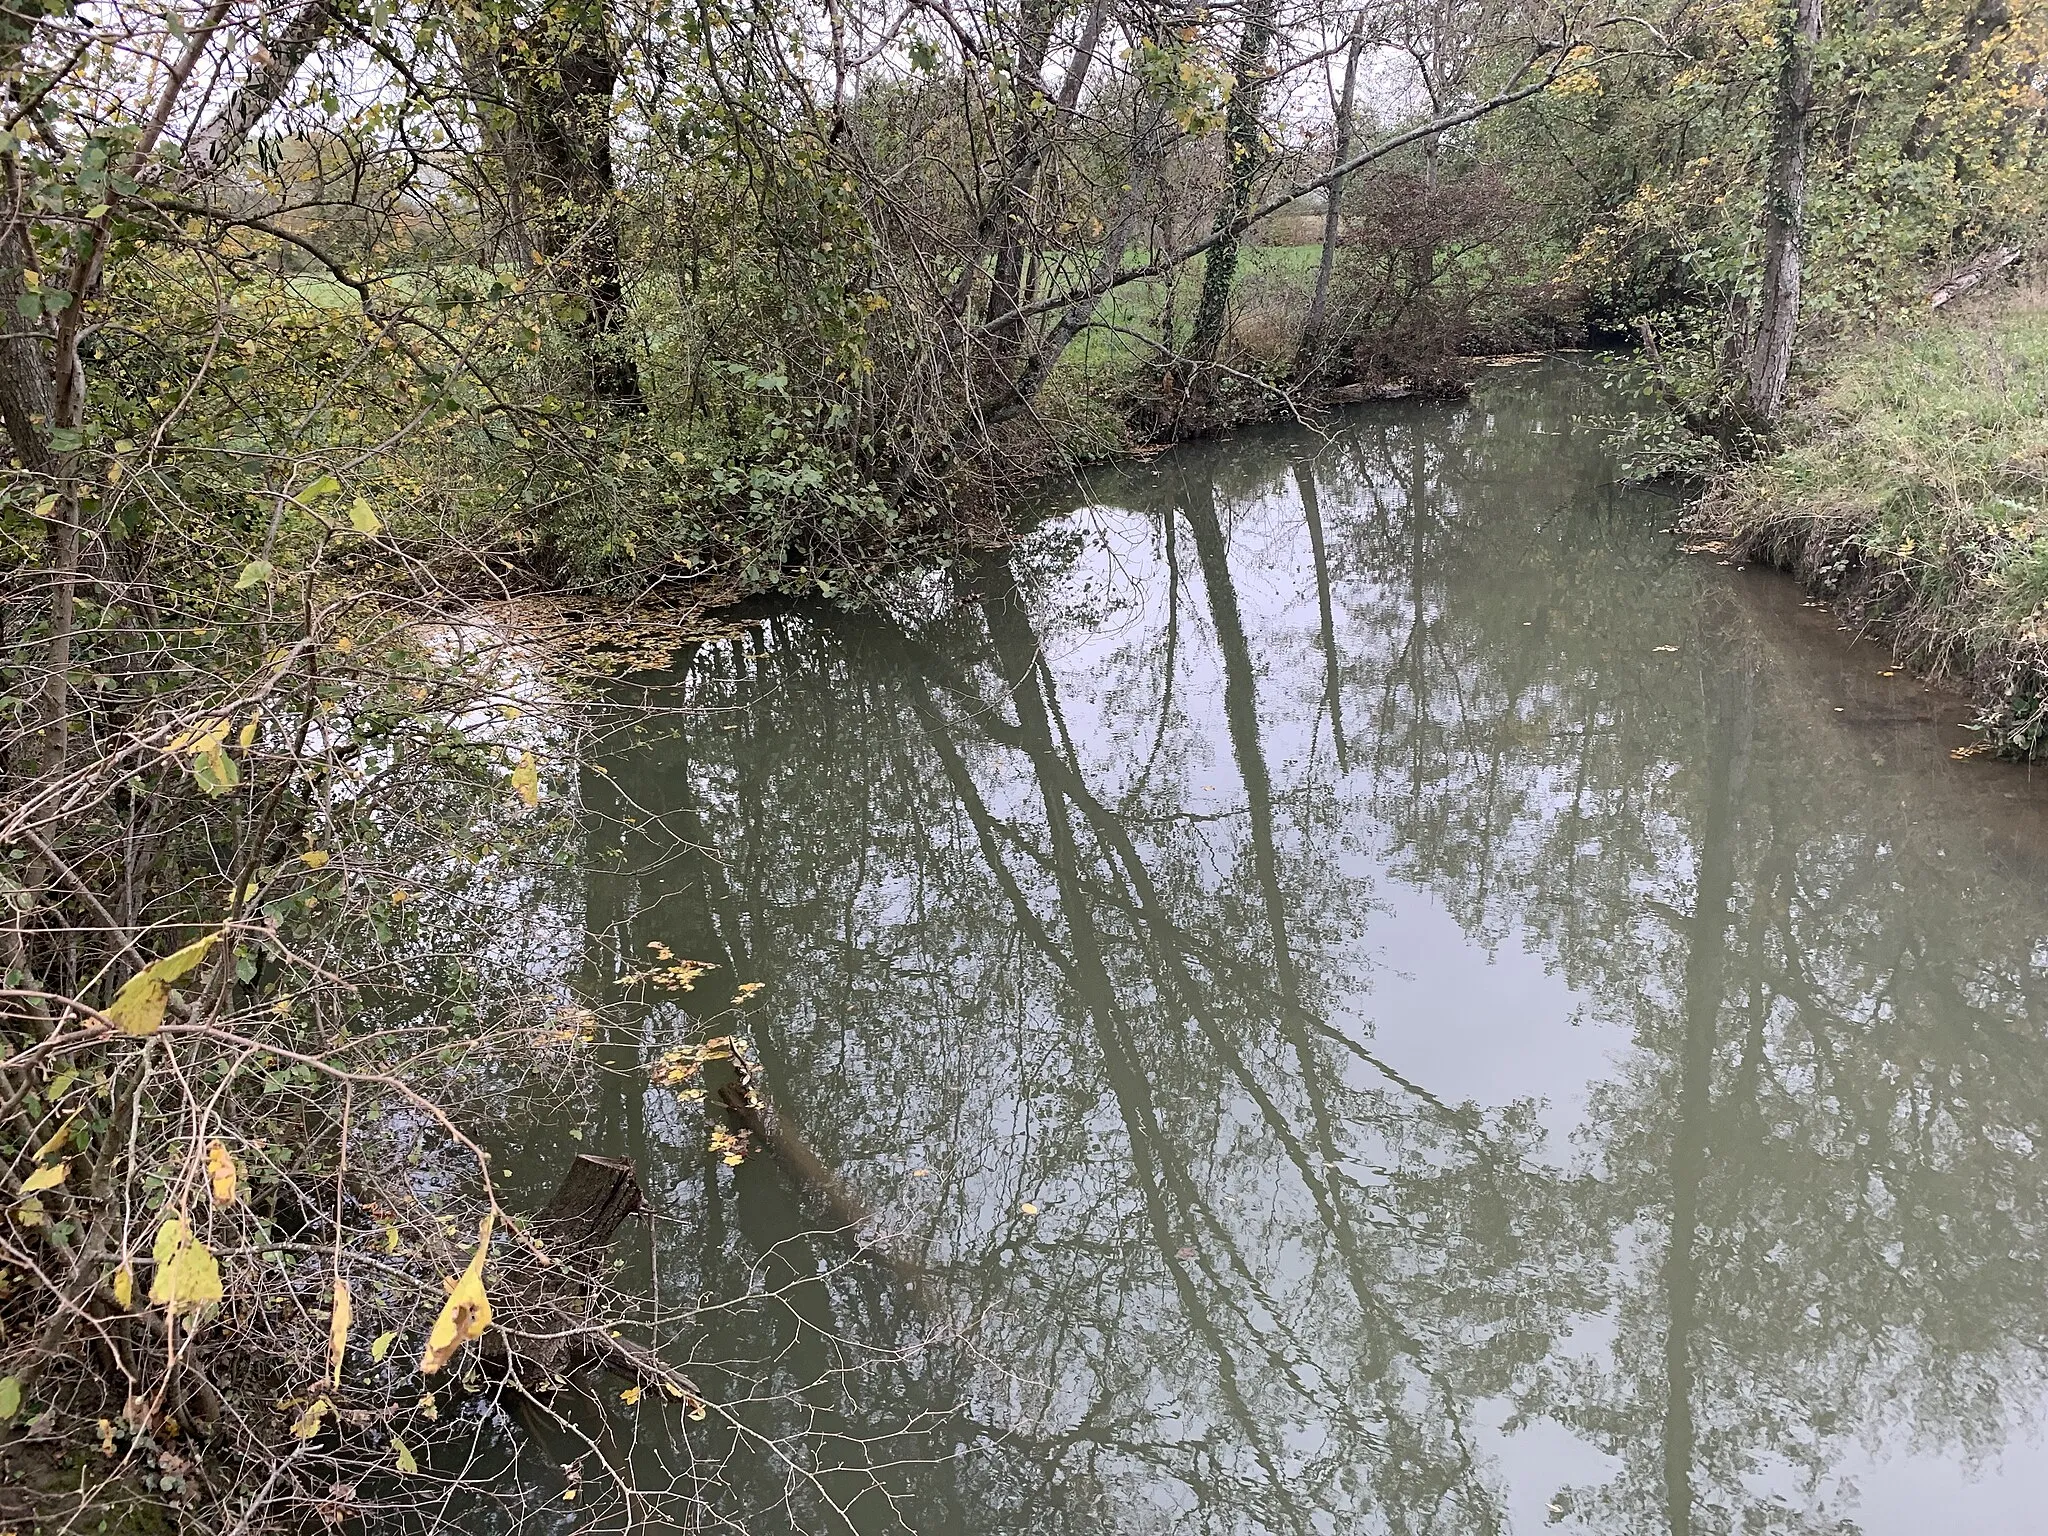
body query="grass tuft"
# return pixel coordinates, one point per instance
(1913, 490)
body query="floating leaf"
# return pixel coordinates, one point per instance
(406, 1465)
(337, 1329)
(526, 780)
(381, 1345)
(49, 1176)
(1028, 1208)
(426, 1406)
(187, 1277)
(308, 1423)
(220, 1172)
(630, 1395)
(138, 1008)
(466, 1313)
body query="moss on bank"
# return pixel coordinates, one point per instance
(1913, 492)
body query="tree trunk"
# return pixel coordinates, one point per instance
(1242, 135)
(560, 75)
(278, 62)
(1768, 362)
(1308, 361)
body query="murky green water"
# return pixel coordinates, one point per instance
(1365, 992)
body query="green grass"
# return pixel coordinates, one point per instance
(1914, 485)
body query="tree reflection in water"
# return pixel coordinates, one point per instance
(1071, 892)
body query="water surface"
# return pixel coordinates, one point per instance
(1365, 991)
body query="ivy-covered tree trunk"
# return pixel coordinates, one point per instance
(1767, 362)
(1244, 141)
(560, 72)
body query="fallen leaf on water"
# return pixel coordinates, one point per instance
(630, 1395)
(405, 1463)
(1028, 1208)
(308, 1423)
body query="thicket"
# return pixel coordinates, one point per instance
(328, 320)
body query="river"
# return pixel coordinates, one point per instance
(1364, 990)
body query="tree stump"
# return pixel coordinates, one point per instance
(596, 1197)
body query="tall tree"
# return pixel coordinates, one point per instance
(1767, 362)
(1244, 132)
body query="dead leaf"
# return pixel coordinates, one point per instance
(308, 1423)
(220, 1172)
(526, 780)
(337, 1328)
(406, 1465)
(48, 1176)
(187, 1276)
(467, 1312)
(138, 1008)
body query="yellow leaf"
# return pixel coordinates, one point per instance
(246, 738)
(1028, 1208)
(49, 1176)
(220, 1172)
(124, 1288)
(315, 858)
(337, 1329)
(55, 1144)
(187, 1277)
(381, 1345)
(363, 519)
(526, 780)
(308, 1424)
(630, 1395)
(406, 1465)
(467, 1312)
(138, 1008)
(426, 1406)
(391, 1237)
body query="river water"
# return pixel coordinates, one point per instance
(1350, 987)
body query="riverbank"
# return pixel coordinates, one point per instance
(1912, 494)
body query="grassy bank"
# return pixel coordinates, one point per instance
(1912, 491)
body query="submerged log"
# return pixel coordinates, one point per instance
(772, 1128)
